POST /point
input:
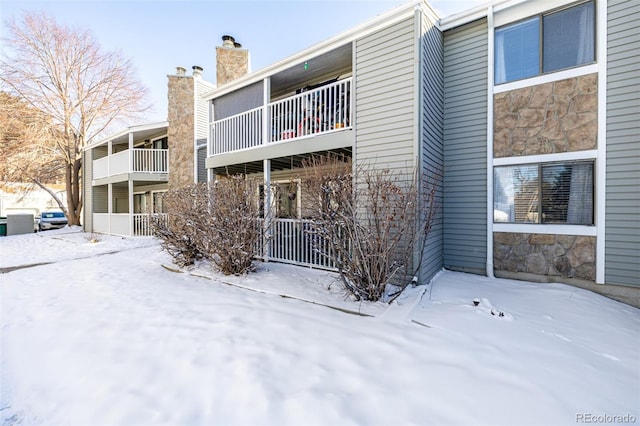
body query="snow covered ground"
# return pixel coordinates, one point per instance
(103, 334)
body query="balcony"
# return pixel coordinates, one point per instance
(317, 111)
(147, 161)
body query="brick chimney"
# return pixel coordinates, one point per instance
(232, 61)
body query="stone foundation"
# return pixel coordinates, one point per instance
(566, 256)
(548, 118)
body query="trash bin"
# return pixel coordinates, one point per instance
(3, 226)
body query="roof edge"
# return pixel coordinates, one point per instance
(384, 19)
(126, 130)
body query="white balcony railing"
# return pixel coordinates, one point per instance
(142, 161)
(119, 163)
(294, 241)
(125, 224)
(320, 110)
(316, 111)
(151, 160)
(142, 222)
(237, 132)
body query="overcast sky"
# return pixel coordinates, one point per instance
(159, 35)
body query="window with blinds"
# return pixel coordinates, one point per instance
(545, 43)
(544, 193)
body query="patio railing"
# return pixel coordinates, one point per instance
(237, 132)
(315, 111)
(142, 223)
(293, 241)
(125, 224)
(143, 161)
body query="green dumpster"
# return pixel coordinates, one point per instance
(3, 226)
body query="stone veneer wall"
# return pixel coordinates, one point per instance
(567, 256)
(548, 118)
(181, 130)
(231, 63)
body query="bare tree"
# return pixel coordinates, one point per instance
(28, 148)
(81, 89)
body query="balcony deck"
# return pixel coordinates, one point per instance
(152, 163)
(319, 111)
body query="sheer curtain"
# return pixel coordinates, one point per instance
(586, 38)
(580, 209)
(500, 67)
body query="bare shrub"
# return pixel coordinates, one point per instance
(233, 235)
(373, 219)
(217, 222)
(186, 211)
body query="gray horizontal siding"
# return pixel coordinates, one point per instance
(385, 97)
(202, 110)
(432, 157)
(465, 147)
(622, 212)
(100, 200)
(241, 100)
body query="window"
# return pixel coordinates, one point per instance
(544, 193)
(517, 48)
(568, 40)
(158, 205)
(161, 143)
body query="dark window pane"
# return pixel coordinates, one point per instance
(567, 193)
(568, 38)
(517, 49)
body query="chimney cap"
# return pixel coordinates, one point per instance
(181, 70)
(197, 71)
(230, 42)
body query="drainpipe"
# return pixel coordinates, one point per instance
(490, 82)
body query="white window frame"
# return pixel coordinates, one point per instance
(550, 76)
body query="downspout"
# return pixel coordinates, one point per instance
(601, 161)
(418, 119)
(490, 83)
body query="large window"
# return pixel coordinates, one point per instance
(544, 193)
(568, 40)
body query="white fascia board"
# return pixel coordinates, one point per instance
(502, 15)
(131, 129)
(478, 12)
(371, 26)
(149, 126)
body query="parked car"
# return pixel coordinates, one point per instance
(52, 220)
